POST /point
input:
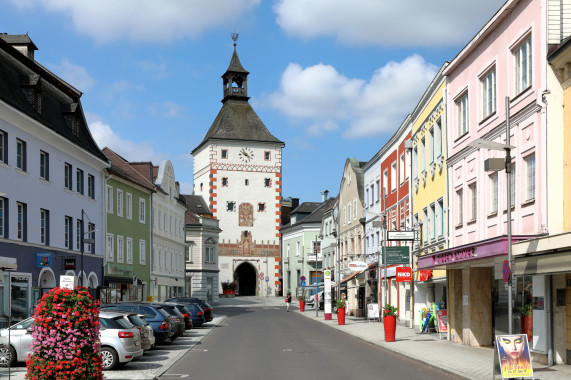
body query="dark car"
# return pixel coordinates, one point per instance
(208, 309)
(159, 319)
(187, 314)
(197, 314)
(177, 317)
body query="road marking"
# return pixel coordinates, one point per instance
(287, 350)
(174, 375)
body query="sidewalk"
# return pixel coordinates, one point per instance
(464, 361)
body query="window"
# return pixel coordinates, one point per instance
(297, 252)
(366, 197)
(385, 182)
(120, 249)
(523, 69)
(224, 153)
(129, 206)
(287, 251)
(91, 234)
(67, 176)
(230, 206)
(79, 181)
(119, 202)
(109, 247)
(438, 139)
(142, 252)
(402, 169)
(68, 234)
(489, 93)
(349, 213)
(474, 201)
(78, 233)
(129, 251)
(267, 182)
(316, 247)
(267, 156)
(91, 186)
(3, 147)
(21, 154)
(459, 209)
(261, 207)
(142, 210)
(440, 217)
(378, 188)
(188, 253)
(513, 183)
(462, 112)
(393, 177)
(425, 225)
(44, 227)
(530, 177)
(432, 221)
(494, 192)
(224, 181)
(3, 217)
(247, 182)
(22, 221)
(210, 254)
(44, 165)
(415, 164)
(431, 145)
(372, 194)
(109, 200)
(423, 155)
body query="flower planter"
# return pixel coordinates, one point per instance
(390, 325)
(340, 316)
(527, 326)
(302, 306)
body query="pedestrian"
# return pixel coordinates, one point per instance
(288, 301)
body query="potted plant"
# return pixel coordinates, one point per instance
(390, 322)
(229, 288)
(340, 304)
(301, 300)
(527, 320)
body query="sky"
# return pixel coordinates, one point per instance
(332, 79)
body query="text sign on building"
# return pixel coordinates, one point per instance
(397, 255)
(44, 259)
(69, 263)
(458, 255)
(404, 274)
(400, 235)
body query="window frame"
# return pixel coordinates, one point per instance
(460, 207)
(462, 112)
(68, 176)
(523, 77)
(142, 210)
(21, 221)
(91, 186)
(119, 204)
(129, 206)
(224, 154)
(44, 227)
(473, 187)
(488, 84)
(79, 178)
(68, 232)
(142, 251)
(394, 176)
(529, 182)
(110, 247)
(21, 155)
(120, 249)
(3, 217)
(494, 192)
(44, 165)
(3, 147)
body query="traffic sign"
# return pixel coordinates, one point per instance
(302, 284)
(302, 278)
(261, 275)
(267, 278)
(506, 270)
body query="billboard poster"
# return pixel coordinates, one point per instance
(327, 294)
(513, 353)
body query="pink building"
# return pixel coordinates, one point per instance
(505, 59)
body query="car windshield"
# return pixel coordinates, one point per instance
(115, 323)
(163, 312)
(23, 325)
(136, 320)
(183, 309)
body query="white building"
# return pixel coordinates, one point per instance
(237, 169)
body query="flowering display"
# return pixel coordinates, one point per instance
(65, 337)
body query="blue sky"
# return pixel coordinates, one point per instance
(331, 78)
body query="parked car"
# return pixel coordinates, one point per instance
(146, 331)
(120, 340)
(187, 314)
(159, 319)
(177, 317)
(197, 314)
(206, 307)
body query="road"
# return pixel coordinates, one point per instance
(269, 343)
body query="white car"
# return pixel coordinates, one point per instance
(120, 341)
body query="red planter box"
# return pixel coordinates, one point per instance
(302, 306)
(390, 325)
(527, 326)
(341, 316)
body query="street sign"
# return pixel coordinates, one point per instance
(506, 270)
(401, 235)
(261, 275)
(397, 255)
(267, 278)
(302, 278)
(303, 284)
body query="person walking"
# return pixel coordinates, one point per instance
(288, 301)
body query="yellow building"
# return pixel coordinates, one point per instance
(429, 197)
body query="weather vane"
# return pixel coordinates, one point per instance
(234, 37)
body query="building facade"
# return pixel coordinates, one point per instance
(238, 171)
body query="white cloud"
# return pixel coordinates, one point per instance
(166, 109)
(105, 137)
(327, 100)
(75, 75)
(386, 22)
(125, 86)
(146, 21)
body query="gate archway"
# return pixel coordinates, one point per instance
(245, 275)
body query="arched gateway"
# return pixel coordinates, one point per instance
(245, 275)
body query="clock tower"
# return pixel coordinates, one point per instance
(238, 171)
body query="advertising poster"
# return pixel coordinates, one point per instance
(442, 320)
(327, 295)
(513, 352)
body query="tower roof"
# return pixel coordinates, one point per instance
(235, 66)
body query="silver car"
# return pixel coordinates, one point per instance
(146, 331)
(120, 341)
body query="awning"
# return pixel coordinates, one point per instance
(8, 263)
(544, 255)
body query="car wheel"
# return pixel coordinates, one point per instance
(109, 358)
(7, 356)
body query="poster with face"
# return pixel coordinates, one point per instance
(513, 352)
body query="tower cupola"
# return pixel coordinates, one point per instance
(235, 79)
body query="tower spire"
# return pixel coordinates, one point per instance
(235, 79)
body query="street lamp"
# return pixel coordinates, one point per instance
(408, 147)
(496, 164)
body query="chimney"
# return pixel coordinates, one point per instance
(294, 203)
(20, 42)
(324, 195)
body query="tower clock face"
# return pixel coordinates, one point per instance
(246, 154)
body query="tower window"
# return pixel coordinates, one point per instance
(267, 182)
(267, 156)
(231, 206)
(224, 153)
(224, 181)
(261, 207)
(247, 182)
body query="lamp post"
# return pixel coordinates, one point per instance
(82, 241)
(496, 164)
(408, 147)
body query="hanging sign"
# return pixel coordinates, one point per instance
(356, 266)
(400, 235)
(424, 274)
(404, 274)
(397, 255)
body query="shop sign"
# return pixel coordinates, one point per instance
(43, 259)
(424, 274)
(404, 274)
(69, 263)
(66, 282)
(456, 256)
(401, 235)
(356, 266)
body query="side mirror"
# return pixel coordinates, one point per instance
(29, 330)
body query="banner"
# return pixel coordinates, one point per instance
(404, 274)
(513, 352)
(442, 320)
(327, 294)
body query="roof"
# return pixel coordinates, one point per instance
(196, 204)
(316, 210)
(305, 208)
(238, 121)
(235, 65)
(18, 39)
(121, 168)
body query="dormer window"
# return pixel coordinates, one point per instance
(72, 118)
(32, 88)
